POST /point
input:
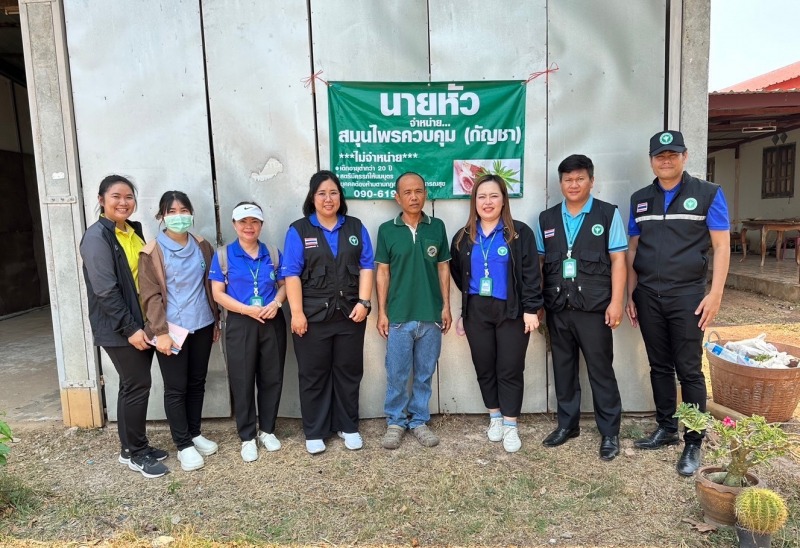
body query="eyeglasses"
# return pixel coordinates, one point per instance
(333, 194)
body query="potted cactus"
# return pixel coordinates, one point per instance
(759, 513)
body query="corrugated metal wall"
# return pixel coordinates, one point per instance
(140, 95)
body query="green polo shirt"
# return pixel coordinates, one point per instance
(413, 259)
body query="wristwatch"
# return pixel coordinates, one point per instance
(365, 303)
(277, 302)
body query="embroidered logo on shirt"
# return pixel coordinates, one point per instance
(690, 204)
(272, 275)
(550, 232)
(202, 265)
(311, 242)
(432, 251)
(353, 240)
(502, 251)
(598, 230)
(641, 207)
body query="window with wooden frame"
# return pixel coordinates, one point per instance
(777, 174)
(710, 164)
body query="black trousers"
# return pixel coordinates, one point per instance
(573, 330)
(184, 377)
(256, 355)
(133, 368)
(498, 346)
(674, 346)
(330, 365)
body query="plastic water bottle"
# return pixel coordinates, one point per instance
(727, 355)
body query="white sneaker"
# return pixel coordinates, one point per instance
(315, 446)
(511, 441)
(495, 431)
(190, 459)
(352, 441)
(249, 451)
(270, 442)
(205, 446)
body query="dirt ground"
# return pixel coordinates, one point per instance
(68, 488)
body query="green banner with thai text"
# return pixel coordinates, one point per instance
(450, 133)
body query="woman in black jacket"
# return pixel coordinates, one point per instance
(110, 251)
(496, 267)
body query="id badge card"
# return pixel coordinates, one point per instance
(485, 287)
(569, 268)
(256, 300)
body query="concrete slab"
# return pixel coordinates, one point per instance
(775, 279)
(29, 389)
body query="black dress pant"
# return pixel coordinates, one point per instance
(184, 377)
(498, 346)
(674, 346)
(133, 368)
(573, 330)
(256, 355)
(330, 365)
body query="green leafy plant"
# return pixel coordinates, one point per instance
(505, 173)
(744, 443)
(762, 511)
(5, 438)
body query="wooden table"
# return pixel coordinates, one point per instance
(779, 226)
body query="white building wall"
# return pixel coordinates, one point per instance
(747, 203)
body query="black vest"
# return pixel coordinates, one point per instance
(672, 253)
(329, 284)
(590, 290)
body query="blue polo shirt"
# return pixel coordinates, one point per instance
(242, 269)
(616, 234)
(293, 256)
(716, 219)
(494, 248)
(184, 269)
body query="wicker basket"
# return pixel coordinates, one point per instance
(771, 393)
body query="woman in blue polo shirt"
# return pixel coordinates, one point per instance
(246, 281)
(496, 267)
(328, 266)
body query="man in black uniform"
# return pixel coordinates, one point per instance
(672, 222)
(582, 250)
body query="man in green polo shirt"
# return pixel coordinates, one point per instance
(413, 278)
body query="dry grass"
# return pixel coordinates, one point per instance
(70, 491)
(467, 491)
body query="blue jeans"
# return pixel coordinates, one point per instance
(412, 348)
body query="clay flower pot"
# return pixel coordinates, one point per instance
(716, 499)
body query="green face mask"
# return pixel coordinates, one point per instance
(179, 224)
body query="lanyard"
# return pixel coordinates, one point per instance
(485, 253)
(571, 236)
(255, 277)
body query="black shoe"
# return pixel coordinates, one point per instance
(690, 460)
(560, 436)
(609, 447)
(660, 438)
(147, 465)
(156, 453)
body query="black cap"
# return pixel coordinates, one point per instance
(666, 140)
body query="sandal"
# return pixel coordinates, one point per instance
(393, 436)
(425, 436)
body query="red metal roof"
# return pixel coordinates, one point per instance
(785, 78)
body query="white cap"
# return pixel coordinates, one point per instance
(247, 210)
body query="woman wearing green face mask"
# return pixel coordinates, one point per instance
(174, 287)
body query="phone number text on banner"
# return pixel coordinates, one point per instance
(451, 134)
